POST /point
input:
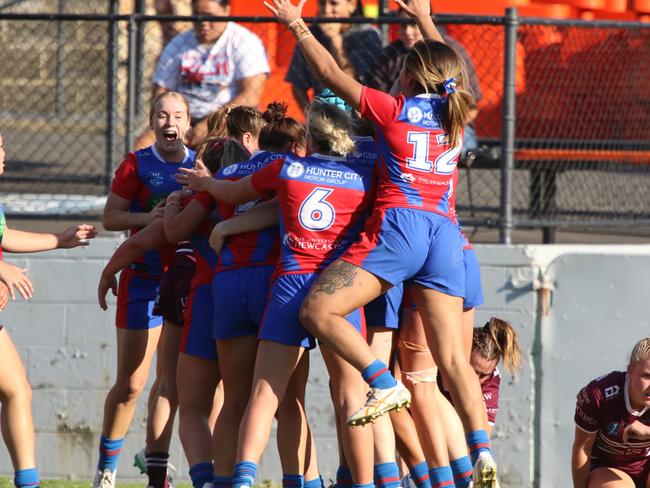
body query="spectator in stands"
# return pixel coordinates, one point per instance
(172, 7)
(354, 47)
(214, 64)
(388, 64)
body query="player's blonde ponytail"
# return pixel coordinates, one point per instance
(329, 129)
(437, 68)
(497, 339)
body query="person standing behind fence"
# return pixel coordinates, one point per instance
(388, 64)
(140, 187)
(603, 455)
(15, 393)
(354, 47)
(214, 64)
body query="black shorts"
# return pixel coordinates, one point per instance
(174, 288)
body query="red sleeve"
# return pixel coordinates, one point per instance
(587, 406)
(265, 180)
(379, 107)
(126, 183)
(205, 200)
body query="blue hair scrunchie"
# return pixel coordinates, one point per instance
(450, 85)
(328, 96)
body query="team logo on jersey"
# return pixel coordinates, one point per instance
(612, 391)
(156, 178)
(229, 170)
(414, 114)
(295, 170)
(613, 429)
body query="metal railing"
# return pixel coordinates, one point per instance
(563, 125)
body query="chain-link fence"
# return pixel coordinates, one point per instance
(575, 98)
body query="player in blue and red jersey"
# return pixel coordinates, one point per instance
(604, 454)
(323, 203)
(141, 184)
(411, 235)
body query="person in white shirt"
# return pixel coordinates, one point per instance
(214, 64)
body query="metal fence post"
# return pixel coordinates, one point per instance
(508, 131)
(112, 67)
(140, 9)
(131, 86)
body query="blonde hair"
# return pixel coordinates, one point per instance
(431, 64)
(641, 351)
(171, 94)
(329, 128)
(497, 339)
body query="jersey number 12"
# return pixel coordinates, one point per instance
(444, 164)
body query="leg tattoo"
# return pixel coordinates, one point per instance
(337, 276)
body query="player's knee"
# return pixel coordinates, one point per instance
(16, 390)
(313, 317)
(130, 389)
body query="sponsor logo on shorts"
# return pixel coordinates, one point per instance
(229, 170)
(295, 170)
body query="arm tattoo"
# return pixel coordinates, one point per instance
(336, 276)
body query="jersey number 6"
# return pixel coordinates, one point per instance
(315, 212)
(445, 163)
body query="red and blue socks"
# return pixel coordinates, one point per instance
(157, 469)
(27, 478)
(387, 475)
(477, 442)
(201, 473)
(109, 453)
(462, 469)
(244, 474)
(441, 477)
(343, 477)
(293, 481)
(315, 483)
(420, 475)
(377, 375)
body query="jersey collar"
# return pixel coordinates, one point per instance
(155, 152)
(327, 156)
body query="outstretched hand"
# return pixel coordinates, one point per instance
(75, 236)
(192, 179)
(284, 10)
(15, 277)
(106, 283)
(415, 8)
(4, 295)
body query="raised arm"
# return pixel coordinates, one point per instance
(420, 11)
(259, 217)
(583, 444)
(322, 63)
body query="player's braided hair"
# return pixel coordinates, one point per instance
(497, 339)
(641, 351)
(329, 128)
(433, 65)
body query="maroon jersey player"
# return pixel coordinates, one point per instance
(603, 455)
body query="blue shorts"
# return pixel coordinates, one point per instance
(281, 322)
(383, 311)
(136, 297)
(240, 297)
(473, 290)
(421, 247)
(197, 324)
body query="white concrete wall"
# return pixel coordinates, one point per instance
(68, 346)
